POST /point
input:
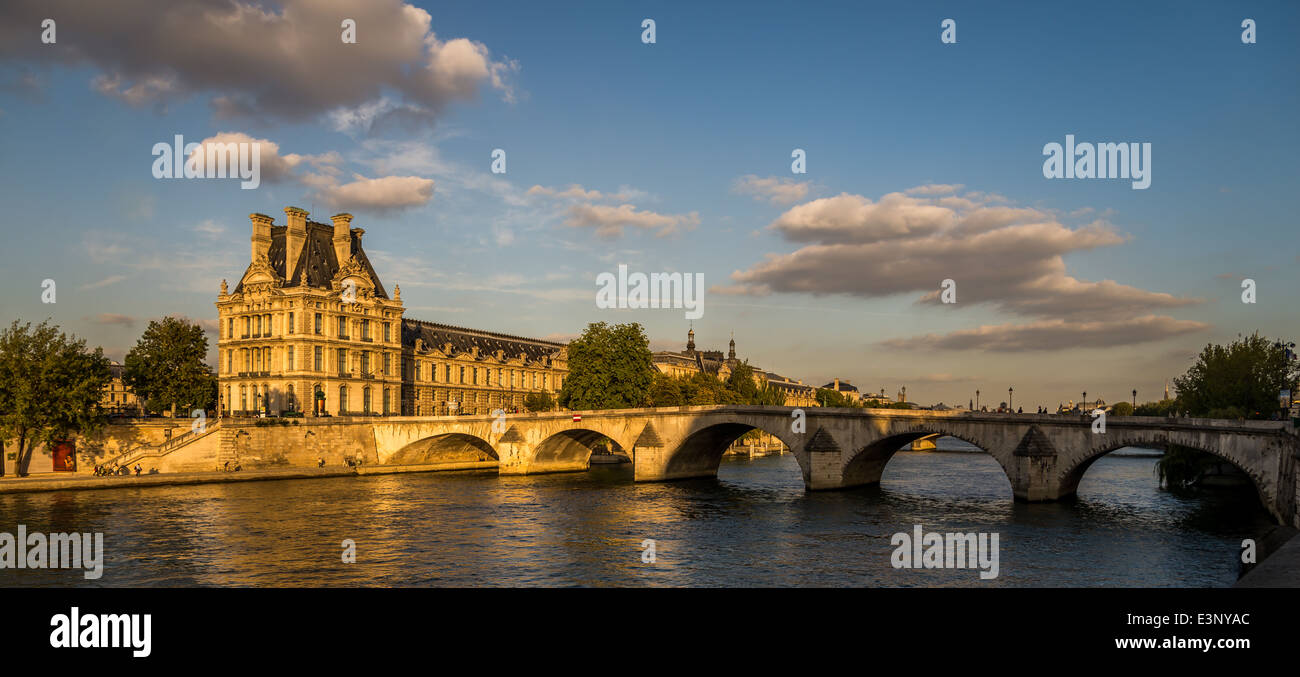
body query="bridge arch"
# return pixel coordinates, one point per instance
(702, 449)
(451, 447)
(572, 447)
(1073, 470)
(867, 464)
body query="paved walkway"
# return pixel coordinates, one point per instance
(63, 481)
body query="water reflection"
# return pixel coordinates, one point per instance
(754, 525)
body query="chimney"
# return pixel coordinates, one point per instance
(294, 238)
(342, 237)
(837, 385)
(261, 236)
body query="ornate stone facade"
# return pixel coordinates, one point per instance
(117, 397)
(692, 361)
(310, 328)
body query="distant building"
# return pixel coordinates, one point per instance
(117, 397)
(310, 328)
(691, 361)
(846, 389)
(796, 393)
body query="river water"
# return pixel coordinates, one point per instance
(752, 526)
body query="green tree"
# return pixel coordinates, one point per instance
(1161, 408)
(741, 382)
(1240, 380)
(166, 370)
(770, 395)
(610, 367)
(539, 401)
(50, 387)
(1121, 409)
(666, 391)
(701, 389)
(827, 397)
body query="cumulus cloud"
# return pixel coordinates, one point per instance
(776, 190)
(321, 174)
(273, 166)
(853, 218)
(610, 221)
(379, 194)
(1009, 257)
(1052, 335)
(260, 59)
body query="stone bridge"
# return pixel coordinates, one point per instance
(1044, 456)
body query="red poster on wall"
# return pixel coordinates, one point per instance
(65, 456)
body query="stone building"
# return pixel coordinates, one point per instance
(454, 370)
(310, 328)
(843, 387)
(691, 361)
(117, 397)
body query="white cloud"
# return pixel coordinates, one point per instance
(776, 190)
(156, 53)
(610, 221)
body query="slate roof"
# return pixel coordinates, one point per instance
(462, 340)
(773, 377)
(317, 258)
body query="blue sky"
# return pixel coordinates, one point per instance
(672, 130)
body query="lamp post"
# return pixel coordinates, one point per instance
(977, 399)
(1083, 404)
(1010, 406)
(1135, 400)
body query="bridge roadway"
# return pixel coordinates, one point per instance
(1044, 456)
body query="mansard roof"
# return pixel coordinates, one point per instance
(669, 357)
(462, 340)
(777, 379)
(317, 262)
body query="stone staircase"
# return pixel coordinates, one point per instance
(227, 452)
(130, 457)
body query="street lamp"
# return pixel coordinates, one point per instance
(977, 399)
(1083, 404)
(1010, 407)
(1135, 400)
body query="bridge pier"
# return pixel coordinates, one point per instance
(1044, 456)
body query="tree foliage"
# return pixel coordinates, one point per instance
(827, 397)
(610, 367)
(166, 368)
(700, 389)
(1240, 380)
(539, 401)
(1161, 408)
(50, 388)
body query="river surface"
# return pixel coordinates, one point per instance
(752, 526)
